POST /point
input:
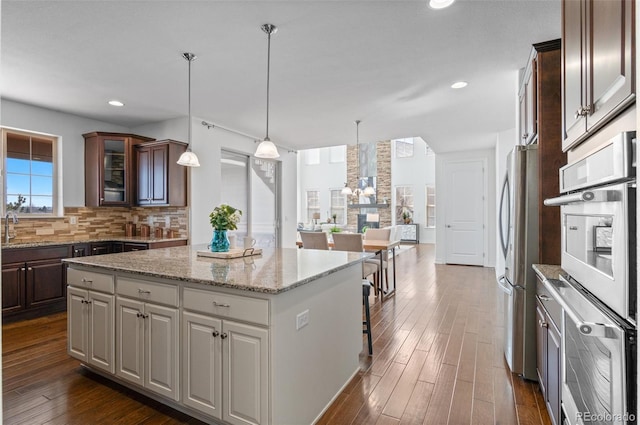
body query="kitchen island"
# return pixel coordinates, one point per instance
(267, 339)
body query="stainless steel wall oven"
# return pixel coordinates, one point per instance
(598, 295)
(598, 214)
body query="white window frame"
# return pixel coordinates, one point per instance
(56, 202)
(430, 205)
(340, 207)
(311, 210)
(337, 154)
(398, 211)
(312, 157)
(402, 152)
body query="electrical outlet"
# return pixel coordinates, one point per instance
(73, 219)
(302, 320)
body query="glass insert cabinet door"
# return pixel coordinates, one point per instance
(114, 171)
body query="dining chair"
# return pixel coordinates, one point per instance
(314, 240)
(380, 235)
(353, 242)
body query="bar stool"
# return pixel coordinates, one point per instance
(366, 288)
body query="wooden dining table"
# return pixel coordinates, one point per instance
(377, 246)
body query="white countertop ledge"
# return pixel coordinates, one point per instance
(276, 270)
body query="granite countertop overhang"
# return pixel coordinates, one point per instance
(549, 271)
(274, 271)
(131, 239)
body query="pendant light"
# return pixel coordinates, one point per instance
(188, 158)
(266, 148)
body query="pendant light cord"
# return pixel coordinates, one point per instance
(268, 74)
(190, 57)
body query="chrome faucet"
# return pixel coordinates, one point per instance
(13, 215)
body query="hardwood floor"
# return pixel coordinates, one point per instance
(437, 360)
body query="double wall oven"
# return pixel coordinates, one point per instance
(598, 293)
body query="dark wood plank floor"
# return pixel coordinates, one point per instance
(437, 360)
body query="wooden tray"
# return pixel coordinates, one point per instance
(232, 253)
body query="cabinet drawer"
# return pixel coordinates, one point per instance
(148, 291)
(550, 304)
(90, 280)
(227, 306)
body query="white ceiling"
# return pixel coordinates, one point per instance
(388, 63)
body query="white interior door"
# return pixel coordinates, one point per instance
(464, 220)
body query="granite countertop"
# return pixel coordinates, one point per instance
(274, 271)
(549, 271)
(134, 239)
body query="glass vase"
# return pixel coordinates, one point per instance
(220, 241)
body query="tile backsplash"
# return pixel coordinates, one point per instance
(99, 222)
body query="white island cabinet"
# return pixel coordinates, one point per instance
(270, 339)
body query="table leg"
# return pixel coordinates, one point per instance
(393, 292)
(381, 281)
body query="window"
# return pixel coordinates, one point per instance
(337, 154)
(29, 173)
(313, 205)
(404, 148)
(338, 206)
(404, 204)
(312, 156)
(431, 206)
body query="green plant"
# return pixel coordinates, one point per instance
(364, 229)
(225, 217)
(335, 229)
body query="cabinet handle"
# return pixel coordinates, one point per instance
(29, 268)
(582, 111)
(23, 269)
(85, 280)
(215, 333)
(524, 136)
(224, 335)
(220, 304)
(543, 324)
(544, 297)
(75, 251)
(94, 249)
(142, 315)
(142, 291)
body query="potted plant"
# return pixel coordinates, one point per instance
(334, 216)
(222, 219)
(406, 216)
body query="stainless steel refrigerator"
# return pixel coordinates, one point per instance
(519, 238)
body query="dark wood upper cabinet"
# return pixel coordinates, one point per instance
(110, 177)
(598, 64)
(161, 181)
(528, 105)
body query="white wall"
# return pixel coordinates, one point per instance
(322, 177)
(205, 180)
(417, 171)
(505, 141)
(488, 156)
(69, 128)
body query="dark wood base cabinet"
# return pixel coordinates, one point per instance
(548, 360)
(33, 282)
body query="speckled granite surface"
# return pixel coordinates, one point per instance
(274, 271)
(548, 271)
(134, 239)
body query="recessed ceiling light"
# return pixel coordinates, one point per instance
(459, 85)
(115, 103)
(440, 4)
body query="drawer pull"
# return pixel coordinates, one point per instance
(142, 315)
(223, 336)
(544, 297)
(215, 333)
(85, 280)
(543, 324)
(142, 291)
(23, 269)
(220, 304)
